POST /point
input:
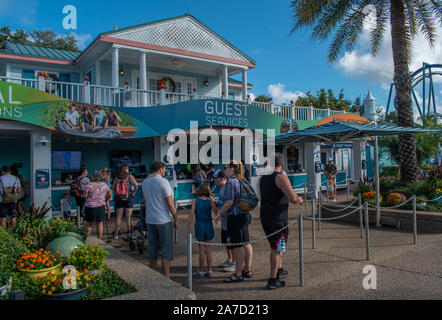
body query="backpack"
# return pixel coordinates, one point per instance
(121, 190)
(199, 178)
(76, 188)
(248, 199)
(9, 194)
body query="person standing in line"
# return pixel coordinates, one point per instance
(161, 216)
(237, 220)
(125, 187)
(276, 193)
(107, 179)
(83, 181)
(199, 176)
(9, 189)
(96, 194)
(220, 180)
(331, 171)
(202, 211)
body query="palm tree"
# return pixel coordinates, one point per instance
(345, 20)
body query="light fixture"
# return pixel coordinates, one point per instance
(121, 71)
(43, 140)
(205, 83)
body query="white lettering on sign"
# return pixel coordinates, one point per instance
(226, 114)
(70, 20)
(7, 111)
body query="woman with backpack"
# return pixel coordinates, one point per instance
(125, 186)
(237, 222)
(96, 194)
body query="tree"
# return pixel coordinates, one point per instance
(262, 98)
(345, 19)
(324, 98)
(45, 38)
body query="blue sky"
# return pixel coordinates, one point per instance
(287, 64)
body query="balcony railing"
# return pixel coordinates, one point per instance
(127, 97)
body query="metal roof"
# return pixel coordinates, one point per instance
(32, 50)
(344, 131)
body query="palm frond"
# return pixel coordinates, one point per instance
(377, 34)
(436, 8)
(306, 13)
(425, 20)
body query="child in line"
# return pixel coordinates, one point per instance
(66, 206)
(202, 211)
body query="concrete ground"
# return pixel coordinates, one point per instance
(332, 271)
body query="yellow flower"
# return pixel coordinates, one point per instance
(43, 291)
(53, 289)
(49, 292)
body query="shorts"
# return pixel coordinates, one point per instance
(160, 236)
(224, 236)
(204, 231)
(128, 204)
(7, 209)
(278, 241)
(97, 214)
(238, 230)
(67, 214)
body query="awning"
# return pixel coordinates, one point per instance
(340, 131)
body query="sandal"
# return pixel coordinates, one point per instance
(234, 278)
(247, 274)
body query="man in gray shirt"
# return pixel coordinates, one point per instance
(160, 211)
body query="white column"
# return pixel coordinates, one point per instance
(225, 78)
(143, 79)
(244, 85)
(8, 71)
(40, 160)
(358, 154)
(115, 76)
(313, 178)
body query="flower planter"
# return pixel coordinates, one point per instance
(439, 199)
(71, 295)
(34, 274)
(73, 234)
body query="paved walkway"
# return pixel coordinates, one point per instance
(332, 271)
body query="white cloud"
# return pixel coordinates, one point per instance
(360, 64)
(83, 39)
(280, 95)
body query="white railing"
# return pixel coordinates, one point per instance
(127, 97)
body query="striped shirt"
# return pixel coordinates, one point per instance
(231, 192)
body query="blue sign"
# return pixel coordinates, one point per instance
(338, 145)
(42, 178)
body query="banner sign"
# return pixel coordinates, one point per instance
(29, 105)
(338, 145)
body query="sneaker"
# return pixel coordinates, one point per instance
(226, 263)
(209, 274)
(115, 237)
(230, 268)
(334, 200)
(281, 274)
(246, 274)
(275, 284)
(198, 274)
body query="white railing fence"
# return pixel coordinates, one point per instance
(127, 97)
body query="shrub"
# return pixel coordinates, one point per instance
(390, 171)
(395, 198)
(88, 257)
(10, 250)
(362, 187)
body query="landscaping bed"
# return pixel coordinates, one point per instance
(48, 259)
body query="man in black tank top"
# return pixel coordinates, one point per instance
(276, 193)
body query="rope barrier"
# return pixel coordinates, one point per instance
(328, 209)
(335, 218)
(393, 207)
(425, 200)
(251, 241)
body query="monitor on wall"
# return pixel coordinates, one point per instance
(65, 160)
(130, 158)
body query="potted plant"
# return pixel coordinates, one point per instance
(370, 197)
(395, 198)
(65, 286)
(89, 257)
(39, 263)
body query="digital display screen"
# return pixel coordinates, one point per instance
(130, 158)
(66, 160)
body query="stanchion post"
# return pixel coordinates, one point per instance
(305, 195)
(319, 209)
(348, 189)
(361, 220)
(367, 233)
(313, 225)
(414, 220)
(78, 217)
(189, 261)
(301, 252)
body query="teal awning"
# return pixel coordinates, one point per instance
(344, 131)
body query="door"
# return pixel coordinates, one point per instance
(135, 85)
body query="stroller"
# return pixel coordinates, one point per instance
(139, 233)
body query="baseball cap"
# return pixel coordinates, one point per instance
(219, 174)
(330, 159)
